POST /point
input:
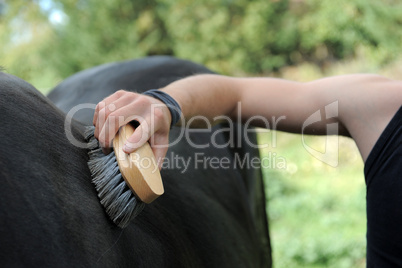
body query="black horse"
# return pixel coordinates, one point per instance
(49, 210)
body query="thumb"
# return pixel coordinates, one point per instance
(159, 154)
(140, 136)
(160, 147)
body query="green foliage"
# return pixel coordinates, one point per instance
(23, 28)
(316, 220)
(97, 33)
(345, 26)
(242, 36)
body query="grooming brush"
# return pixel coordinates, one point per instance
(124, 182)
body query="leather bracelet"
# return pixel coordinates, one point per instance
(173, 106)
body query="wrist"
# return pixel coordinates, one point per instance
(172, 105)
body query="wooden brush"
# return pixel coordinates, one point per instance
(139, 169)
(125, 182)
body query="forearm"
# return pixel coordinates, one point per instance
(272, 103)
(205, 96)
(259, 100)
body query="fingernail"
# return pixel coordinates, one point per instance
(126, 148)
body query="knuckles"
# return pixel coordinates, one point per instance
(104, 140)
(160, 116)
(143, 101)
(121, 92)
(108, 115)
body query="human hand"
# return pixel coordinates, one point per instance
(122, 107)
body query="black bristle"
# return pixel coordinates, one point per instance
(119, 201)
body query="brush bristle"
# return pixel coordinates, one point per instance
(119, 201)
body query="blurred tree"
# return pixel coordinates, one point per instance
(113, 30)
(229, 35)
(251, 36)
(23, 27)
(338, 29)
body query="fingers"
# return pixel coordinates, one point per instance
(122, 107)
(101, 105)
(160, 148)
(140, 136)
(159, 143)
(102, 110)
(113, 123)
(155, 123)
(113, 112)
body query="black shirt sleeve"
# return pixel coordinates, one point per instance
(383, 174)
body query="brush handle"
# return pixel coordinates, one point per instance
(139, 169)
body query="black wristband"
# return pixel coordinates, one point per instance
(173, 106)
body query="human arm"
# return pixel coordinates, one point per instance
(365, 105)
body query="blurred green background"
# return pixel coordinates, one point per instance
(317, 212)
